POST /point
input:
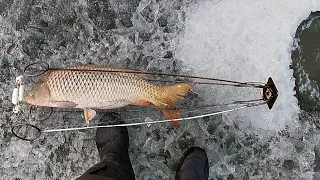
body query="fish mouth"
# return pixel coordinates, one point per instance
(27, 99)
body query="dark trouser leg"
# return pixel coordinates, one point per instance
(116, 165)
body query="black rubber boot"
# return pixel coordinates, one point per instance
(193, 165)
(111, 140)
(112, 144)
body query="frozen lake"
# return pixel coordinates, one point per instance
(242, 40)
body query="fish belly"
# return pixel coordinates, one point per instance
(104, 105)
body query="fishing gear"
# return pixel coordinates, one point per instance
(46, 112)
(269, 96)
(17, 94)
(270, 92)
(29, 132)
(39, 68)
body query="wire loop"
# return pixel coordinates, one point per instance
(36, 69)
(26, 132)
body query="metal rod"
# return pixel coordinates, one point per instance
(246, 84)
(161, 74)
(181, 108)
(145, 123)
(45, 67)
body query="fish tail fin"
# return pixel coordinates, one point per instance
(171, 94)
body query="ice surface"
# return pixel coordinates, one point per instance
(248, 41)
(231, 40)
(242, 40)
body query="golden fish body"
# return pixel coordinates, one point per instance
(93, 87)
(101, 90)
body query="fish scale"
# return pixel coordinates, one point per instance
(92, 84)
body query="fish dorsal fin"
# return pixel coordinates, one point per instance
(100, 67)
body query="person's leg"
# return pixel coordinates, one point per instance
(112, 144)
(193, 165)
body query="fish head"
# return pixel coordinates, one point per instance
(39, 95)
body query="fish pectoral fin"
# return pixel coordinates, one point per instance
(172, 114)
(65, 104)
(140, 102)
(89, 114)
